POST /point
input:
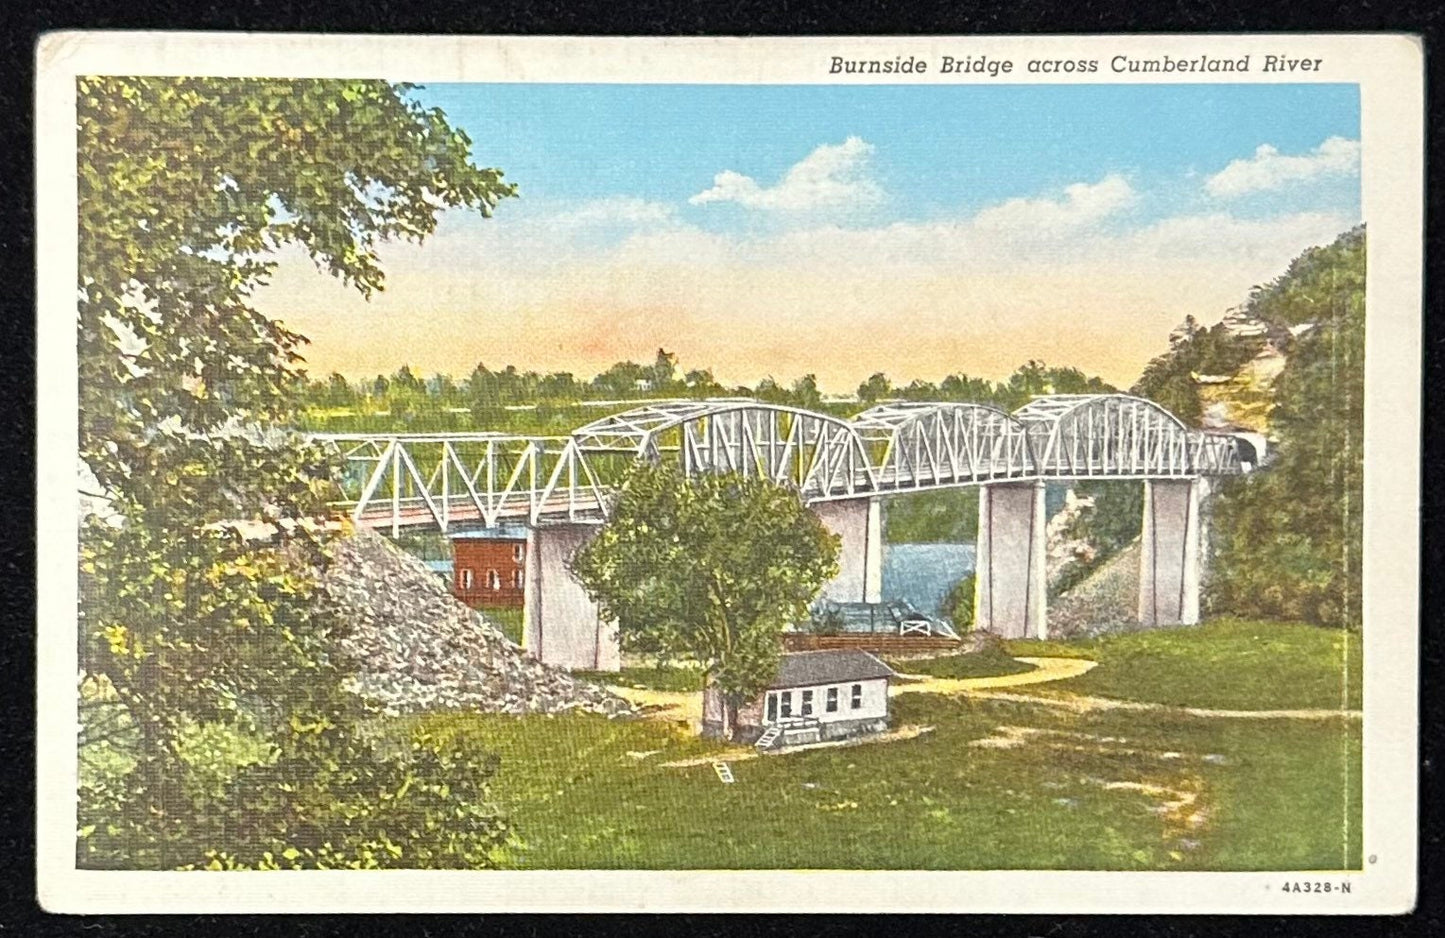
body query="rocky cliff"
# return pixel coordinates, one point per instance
(421, 649)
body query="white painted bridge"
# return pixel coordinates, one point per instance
(446, 480)
(561, 488)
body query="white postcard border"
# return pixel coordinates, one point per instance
(1389, 70)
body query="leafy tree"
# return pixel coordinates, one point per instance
(920, 390)
(960, 387)
(621, 380)
(1288, 540)
(663, 373)
(875, 389)
(805, 393)
(771, 391)
(214, 685)
(338, 391)
(710, 568)
(1034, 378)
(701, 383)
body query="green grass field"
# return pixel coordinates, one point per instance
(1225, 664)
(996, 784)
(648, 677)
(986, 662)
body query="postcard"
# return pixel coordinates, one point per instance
(823, 474)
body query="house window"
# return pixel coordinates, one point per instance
(772, 708)
(787, 697)
(466, 579)
(857, 701)
(807, 703)
(494, 580)
(519, 552)
(832, 702)
(516, 579)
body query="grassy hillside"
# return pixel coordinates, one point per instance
(996, 784)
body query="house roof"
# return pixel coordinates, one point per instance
(805, 668)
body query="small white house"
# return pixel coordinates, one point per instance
(816, 696)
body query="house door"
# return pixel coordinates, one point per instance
(772, 716)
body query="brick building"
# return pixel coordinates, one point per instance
(489, 566)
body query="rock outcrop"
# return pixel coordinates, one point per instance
(1063, 551)
(418, 648)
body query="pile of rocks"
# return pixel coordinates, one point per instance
(418, 648)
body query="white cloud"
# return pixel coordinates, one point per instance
(1082, 204)
(833, 175)
(1270, 169)
(1039, 277)
(618, 210)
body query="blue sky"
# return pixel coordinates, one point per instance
(939, 149)
(920, 230)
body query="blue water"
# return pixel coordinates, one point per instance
(924, 573)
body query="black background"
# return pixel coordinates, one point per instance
(21, 23)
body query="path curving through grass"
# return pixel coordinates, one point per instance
(1042, 671)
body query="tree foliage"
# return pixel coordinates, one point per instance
(1288, 540)
(709, 568)
(198, 644)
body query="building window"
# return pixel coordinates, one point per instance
(516, 579)
(772, 708)
(519, 552)
(466, 579)
(787, 697)
(857, 701)
(832, 701)
(807, 703)
(494, 580)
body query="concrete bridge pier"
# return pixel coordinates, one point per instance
(1169, 559)
(1011, 583)
(561, 624)
(859, 522)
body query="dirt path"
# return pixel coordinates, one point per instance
(667, 704)
(1080, 703)
(687, 705)
(1044, 670)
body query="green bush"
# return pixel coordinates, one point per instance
(958, 606)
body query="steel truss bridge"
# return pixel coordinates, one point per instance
(448, 480)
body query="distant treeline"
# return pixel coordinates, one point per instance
(531, 402)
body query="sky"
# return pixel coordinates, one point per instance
(843, 230)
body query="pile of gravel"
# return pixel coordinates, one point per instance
(421, 649)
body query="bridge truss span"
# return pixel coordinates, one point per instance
(919, 445)
(818, 454)
(1118, 436)
(445, 480)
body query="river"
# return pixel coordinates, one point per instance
(924, 573)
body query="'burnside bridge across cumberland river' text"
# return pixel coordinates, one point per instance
(561, 489)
